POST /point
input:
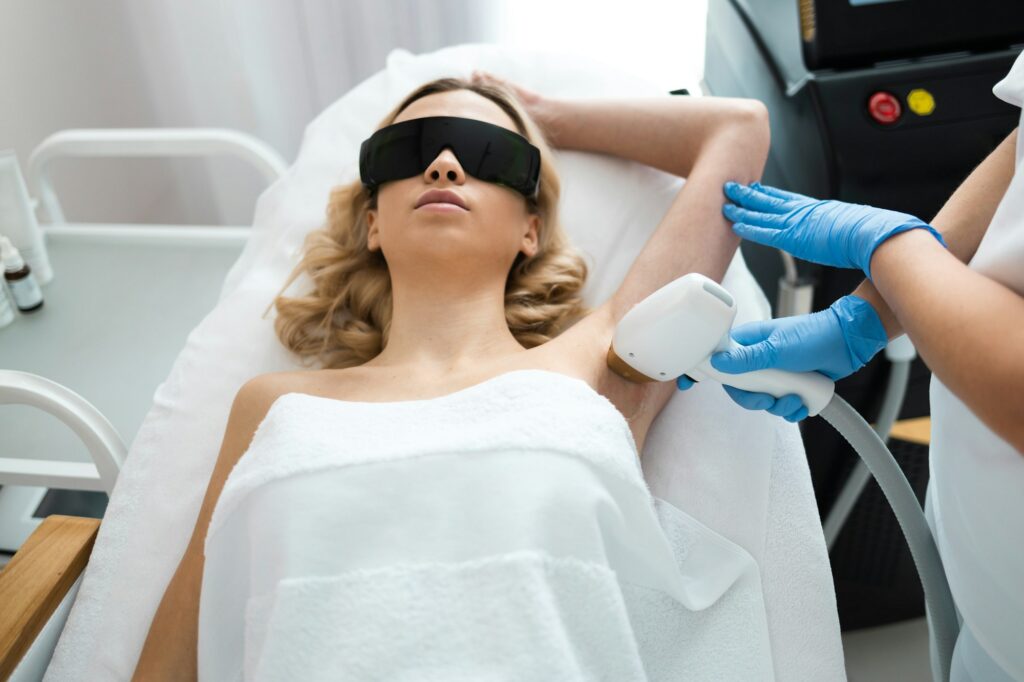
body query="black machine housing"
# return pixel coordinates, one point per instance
(816, 65)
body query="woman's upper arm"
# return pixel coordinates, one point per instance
(169, 652)
(250, 406)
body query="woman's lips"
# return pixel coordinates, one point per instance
(441, 206)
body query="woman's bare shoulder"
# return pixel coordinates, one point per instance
(265, 388)
(258, 393)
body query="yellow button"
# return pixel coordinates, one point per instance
(921, 102)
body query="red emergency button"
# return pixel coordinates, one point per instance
(884, 107)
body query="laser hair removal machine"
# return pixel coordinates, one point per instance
(675, 330)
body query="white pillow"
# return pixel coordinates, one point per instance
(705, 455)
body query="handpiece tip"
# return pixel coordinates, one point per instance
(624, 370)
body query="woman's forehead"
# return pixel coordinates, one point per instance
(462, 103)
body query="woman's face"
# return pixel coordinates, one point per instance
(485, 236)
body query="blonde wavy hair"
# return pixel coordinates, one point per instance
(345, 319)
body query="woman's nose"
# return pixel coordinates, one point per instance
(446, 165)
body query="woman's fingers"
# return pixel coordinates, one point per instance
(526, 96)
(479, 77)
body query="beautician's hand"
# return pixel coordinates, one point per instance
(821, 231)
(836, 342)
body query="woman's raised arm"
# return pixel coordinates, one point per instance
(667, 133)
(708, 140)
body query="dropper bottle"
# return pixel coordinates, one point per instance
(6, 307)
(28, 297)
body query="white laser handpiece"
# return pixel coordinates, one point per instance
(675, 330)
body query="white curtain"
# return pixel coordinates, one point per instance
(268, 67)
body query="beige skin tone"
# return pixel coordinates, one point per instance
(968, 328)
(448, 272)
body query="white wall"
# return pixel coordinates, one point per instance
(66, 65)
(660, 40)
(266, 67)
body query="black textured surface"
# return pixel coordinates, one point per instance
(72, 503)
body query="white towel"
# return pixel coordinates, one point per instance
(502, 532)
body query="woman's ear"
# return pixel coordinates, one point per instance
(531, 240)
(371, 230)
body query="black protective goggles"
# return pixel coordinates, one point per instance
(486, 151)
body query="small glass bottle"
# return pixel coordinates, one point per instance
(27, 294)
(6, 307)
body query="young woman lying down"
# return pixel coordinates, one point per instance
(454, 491)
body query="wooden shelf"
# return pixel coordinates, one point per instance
(917, 430)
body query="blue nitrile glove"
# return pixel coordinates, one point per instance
(684, 382)
(836, 342)
(821, 231)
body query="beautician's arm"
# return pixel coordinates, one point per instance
(968, 328)
(708, 140)
(962, 221)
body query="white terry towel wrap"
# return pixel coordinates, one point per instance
(501, 532)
